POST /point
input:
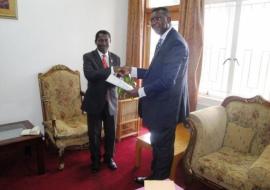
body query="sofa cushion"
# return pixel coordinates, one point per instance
(227, 166)
(238, 138)
(255, 115)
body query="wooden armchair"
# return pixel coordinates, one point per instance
(230, 144)
(61, 97)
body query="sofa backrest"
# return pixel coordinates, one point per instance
(252, 113)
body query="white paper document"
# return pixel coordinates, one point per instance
(118, 82)
(34, 131)
(159, 185)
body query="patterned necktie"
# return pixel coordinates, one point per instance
(158, 45)
(104, 62)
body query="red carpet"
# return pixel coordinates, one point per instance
(19, 172)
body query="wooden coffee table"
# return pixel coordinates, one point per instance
(182, 136)
(10, 139)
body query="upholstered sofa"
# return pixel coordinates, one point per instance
(230, 144)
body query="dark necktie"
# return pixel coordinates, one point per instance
(158, 45)
(104, 62)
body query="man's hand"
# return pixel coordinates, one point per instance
(134, 92)
(124, 70)
(116, 69)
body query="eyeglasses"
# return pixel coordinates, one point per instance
(156, 19)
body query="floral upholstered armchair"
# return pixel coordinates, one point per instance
(230, 144)
(64, 123)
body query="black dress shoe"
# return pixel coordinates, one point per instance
(111, 164)
(140, 180)
(95, 167)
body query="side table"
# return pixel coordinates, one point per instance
(10, 139)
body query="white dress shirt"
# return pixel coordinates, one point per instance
(107, 59)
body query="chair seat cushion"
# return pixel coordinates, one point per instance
(74, 127)
(227, 166)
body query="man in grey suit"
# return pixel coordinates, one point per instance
(100, 100)
(164, 94)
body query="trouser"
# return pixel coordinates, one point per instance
(94, 133)
(162, 142)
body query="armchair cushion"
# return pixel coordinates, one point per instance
(238, 138)
(227, 166)
(70, 128)
(254, 115)
(259, 172)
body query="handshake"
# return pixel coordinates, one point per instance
(122, 71)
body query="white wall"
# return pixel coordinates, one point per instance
(48, 33)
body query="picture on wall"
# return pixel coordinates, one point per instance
(8, 9)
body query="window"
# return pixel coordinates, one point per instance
(151, 38)
(236, 57)
(159, 3)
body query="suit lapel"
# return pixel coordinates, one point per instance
(165, 41)
(162, 48)
(110, 59)
(98, 59)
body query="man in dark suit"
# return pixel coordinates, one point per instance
(100, 101)
(164, 93)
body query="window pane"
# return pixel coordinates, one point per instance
(155, 38)
(161, 3)
(244, 40)
(252, 75)
(218, 31)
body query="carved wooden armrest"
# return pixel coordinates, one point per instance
(50, 115)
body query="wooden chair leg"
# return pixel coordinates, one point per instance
(174, 166)
(138, 153)
(188, 178)
(61, 159)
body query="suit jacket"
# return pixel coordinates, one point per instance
(97, 89)
(165, 84)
